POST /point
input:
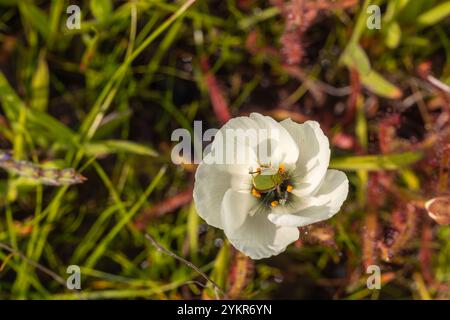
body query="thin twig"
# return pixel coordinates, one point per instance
(35, 264)
(160, 248)
(38, 266)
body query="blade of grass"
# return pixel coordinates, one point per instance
(100, 249)
(377, 162)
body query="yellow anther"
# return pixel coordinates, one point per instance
(282, 168)
(256, 193)
(274, 203)
(289, 188)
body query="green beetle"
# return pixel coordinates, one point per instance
(266, 183)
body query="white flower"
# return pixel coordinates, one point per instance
(261, 203)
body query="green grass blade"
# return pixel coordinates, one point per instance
(435, 15)
(118, 146)
(376, 162)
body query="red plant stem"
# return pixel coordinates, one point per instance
(240, 274)
(369, 237)
(425, 252)
(218, 101)
(443, 170)
(386, 127)
(166, 206)
(355, 85)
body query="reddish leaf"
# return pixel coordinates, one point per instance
(218, 101)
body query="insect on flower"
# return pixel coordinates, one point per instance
(262, 198)
(271, 183)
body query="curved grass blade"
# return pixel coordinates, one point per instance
(376, 162)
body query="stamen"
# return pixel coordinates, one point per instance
(274, 203)
(282, 168)
(289, 188)
(255, 193)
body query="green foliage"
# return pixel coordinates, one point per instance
(382, 162)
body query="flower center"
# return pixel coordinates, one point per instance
(270, 185)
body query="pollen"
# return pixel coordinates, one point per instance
(274, 203)
(255, 193)
(282, 168)
(289, 188)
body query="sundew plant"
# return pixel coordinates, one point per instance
(118, 179)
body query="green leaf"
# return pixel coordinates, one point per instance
(394, 7)
(10, 101)
(221, 266)
(376, 162)
(252, 20)
(36, 17)
(354, 57)
(54, 20)
(8, 3)
(376, 83)
(58, 131)
(361, 123)
(411, 179)
(393, 35)
(360, 25)
(118, 146)
(106, 240)
(101, 9)
(12, 105)
(111, 123)
(192, 231)
(40, 85)
(435, 15)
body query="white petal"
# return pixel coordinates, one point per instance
(325, 203)
(285, 150)
(333, 190)
(211, 183)
(233, 151)
(236, 207)
(258, 139)
(259, 238)
(305, 217)
(314, 155)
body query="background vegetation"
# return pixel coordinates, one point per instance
(105, 99)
